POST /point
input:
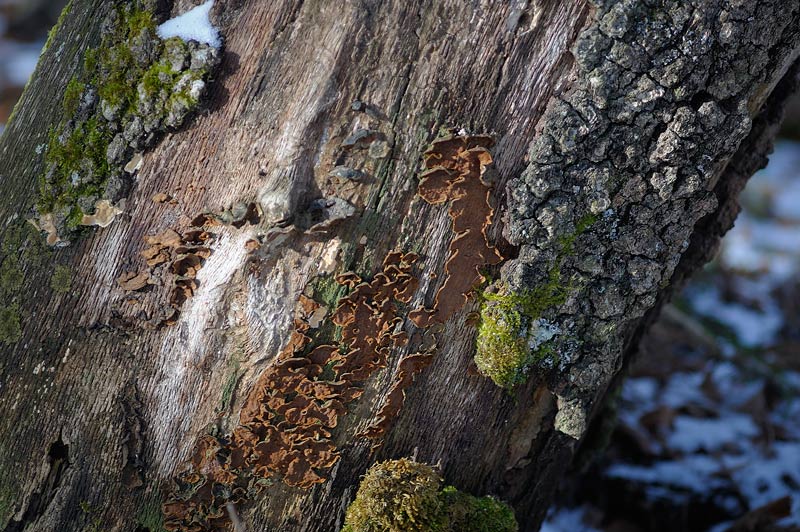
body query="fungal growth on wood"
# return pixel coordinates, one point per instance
(407, 496)
(286, 423)
(408, 367)
(455, 172)
(134, 86)
(175, 258)
(285, 426)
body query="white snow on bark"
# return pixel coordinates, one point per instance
(194, 25)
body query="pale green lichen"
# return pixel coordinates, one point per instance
(61, 280)
(407, 496)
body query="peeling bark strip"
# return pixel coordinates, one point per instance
(455, 172)
(286, 422)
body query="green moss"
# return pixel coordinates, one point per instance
(397, 496)
(139, 20)
(72, 96)
(405, 496)
(61, 280)
(467, 513)
(130, 55)
(567, 243)
(10, 329)
(507, 344)
(504, 352)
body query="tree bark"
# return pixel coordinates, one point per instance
(641, 121)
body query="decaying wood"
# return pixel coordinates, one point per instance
(319, 119)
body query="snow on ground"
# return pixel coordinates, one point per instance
(760, 254)
(567, 520)
(194, 25)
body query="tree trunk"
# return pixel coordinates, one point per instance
(641, 121)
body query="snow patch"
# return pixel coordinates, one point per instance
(194, 25)
(692, 434)
(567, 520)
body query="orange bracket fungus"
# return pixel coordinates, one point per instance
(286, 421)
(182, 255)
(455, 172)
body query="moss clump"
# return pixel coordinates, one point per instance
(406, 496)
(61, 280)
(467, 513)
(511, 336)
(397, 496)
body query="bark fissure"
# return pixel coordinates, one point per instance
(57, 462)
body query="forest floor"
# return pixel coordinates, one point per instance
(708, 421)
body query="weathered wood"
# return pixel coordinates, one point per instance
(117, 404)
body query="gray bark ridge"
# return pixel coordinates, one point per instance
(665, 95)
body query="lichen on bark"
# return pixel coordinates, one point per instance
(664, 95)
(133, 87)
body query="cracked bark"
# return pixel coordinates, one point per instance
(648, 115)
